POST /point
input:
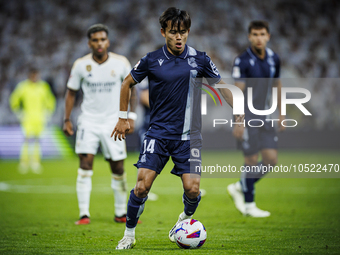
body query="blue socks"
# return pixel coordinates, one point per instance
(190, 205)
(136, 205)
(248, 184)
(135, 208)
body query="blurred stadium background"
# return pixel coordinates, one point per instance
(51, 35)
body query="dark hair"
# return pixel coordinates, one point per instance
(258, 24)
(176, 16)
(97, 28)
(33, 69)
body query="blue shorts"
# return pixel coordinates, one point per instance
(257, 138)
(155, 153)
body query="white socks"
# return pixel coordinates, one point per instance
(250, 205)
(119, 187)
(183, 216)
(84, 187)
(129, 232)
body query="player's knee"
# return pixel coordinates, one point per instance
(192, 192)
(251, 160)
(117, 170)
(86, 166)
(271, 161)
(86, 162)
(142, 190)
(117, 167)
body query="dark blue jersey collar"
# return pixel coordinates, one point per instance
(168, 55)
(254, 56)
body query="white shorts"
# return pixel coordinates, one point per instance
(90, 135)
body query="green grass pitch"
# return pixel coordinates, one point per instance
(37, 212)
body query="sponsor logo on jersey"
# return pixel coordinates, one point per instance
(89, 68)
(160, 61)
(214, 68)
(192, 62)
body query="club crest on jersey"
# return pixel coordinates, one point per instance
(236, 72)
(160, 61)
(113, 74)
(192, 62)
(89, 68)
(195, 152)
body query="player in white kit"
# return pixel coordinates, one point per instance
(99, 75)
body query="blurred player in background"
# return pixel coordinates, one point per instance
(259, 62)
(169, 70)
(33, 102)
(99, 75)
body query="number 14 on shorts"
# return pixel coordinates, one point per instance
(149, 147)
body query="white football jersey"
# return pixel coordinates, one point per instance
(101, 85)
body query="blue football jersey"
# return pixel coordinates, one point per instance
(169, 94)
(258, 74)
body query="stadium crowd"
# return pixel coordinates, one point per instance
(50, 35)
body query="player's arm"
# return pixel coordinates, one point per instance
(15, 101)
(211, 71)
(226, 94)
(132, 116)
(50, 101)
(123, 126)
(239, 129)
(228, 97)
(69, 103)
(278, 84)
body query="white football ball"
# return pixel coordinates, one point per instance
(190, 234)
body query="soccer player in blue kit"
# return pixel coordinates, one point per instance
(169, 70)
(261, 63)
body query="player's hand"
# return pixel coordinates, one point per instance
(121, 129)
(132, 126)
(68, 128)
(238, 132)
(281, 127)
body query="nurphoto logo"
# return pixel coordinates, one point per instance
(239, 102)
